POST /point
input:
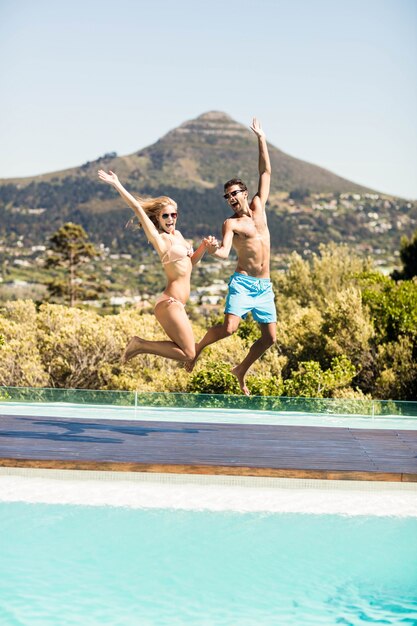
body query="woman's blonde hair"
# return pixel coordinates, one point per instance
(152, 208)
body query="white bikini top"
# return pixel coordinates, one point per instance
(176, 252)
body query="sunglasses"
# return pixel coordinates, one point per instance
(232, 194)
(165, 216)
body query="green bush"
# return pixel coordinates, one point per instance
(310, 381)
(20, 362)
(265, 386)
(393, 306)
(216, 377)
(397, 370)
(248, 330)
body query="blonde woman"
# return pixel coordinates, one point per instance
(158, 218)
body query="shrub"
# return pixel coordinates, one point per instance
(397, 370)
(20, 362)
(310, 381)
(216, 377)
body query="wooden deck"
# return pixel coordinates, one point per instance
(233, 449)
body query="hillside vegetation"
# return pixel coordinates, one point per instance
(344, 331)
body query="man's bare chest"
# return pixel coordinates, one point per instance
(249, 230)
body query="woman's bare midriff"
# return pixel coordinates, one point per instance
(178, 282)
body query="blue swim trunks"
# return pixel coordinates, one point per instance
(249, 294)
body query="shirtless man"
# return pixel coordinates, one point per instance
(250, 287)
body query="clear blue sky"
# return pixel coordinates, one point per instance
(334, 82)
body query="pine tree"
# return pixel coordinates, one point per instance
(70, 250)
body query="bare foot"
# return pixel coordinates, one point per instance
(241, 379)
(133, 348)
(190, 365)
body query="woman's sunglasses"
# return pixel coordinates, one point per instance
(165, 216)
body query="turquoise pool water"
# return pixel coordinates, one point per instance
(79, 565)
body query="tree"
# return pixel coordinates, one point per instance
(408, 256)
(397, 370)
(316, 281)
(393, 306)
(321, 313)
(70, 250)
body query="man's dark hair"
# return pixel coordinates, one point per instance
(235, 181)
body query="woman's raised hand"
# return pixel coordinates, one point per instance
(110, 178)
(211, 244)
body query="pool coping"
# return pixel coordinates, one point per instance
(211, 470)
(277, 451)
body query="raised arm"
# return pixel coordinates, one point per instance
(148, 226)
(264, 163)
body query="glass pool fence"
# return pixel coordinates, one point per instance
(326, 406)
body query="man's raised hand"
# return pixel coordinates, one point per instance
(256, 127)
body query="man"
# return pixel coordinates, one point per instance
(250, 288)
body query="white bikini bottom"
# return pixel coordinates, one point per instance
(164, 297)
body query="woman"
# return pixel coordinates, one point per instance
(158, 218)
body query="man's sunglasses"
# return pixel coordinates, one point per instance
(165, 216)
(232, 194)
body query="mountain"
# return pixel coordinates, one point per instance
(308, 204)
(203, 153)
(213, 148)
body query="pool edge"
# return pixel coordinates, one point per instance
(263, 472)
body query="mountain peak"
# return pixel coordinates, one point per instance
(210, 123)
(217, 116)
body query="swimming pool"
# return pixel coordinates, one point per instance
(85, 547)
(215, 550)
